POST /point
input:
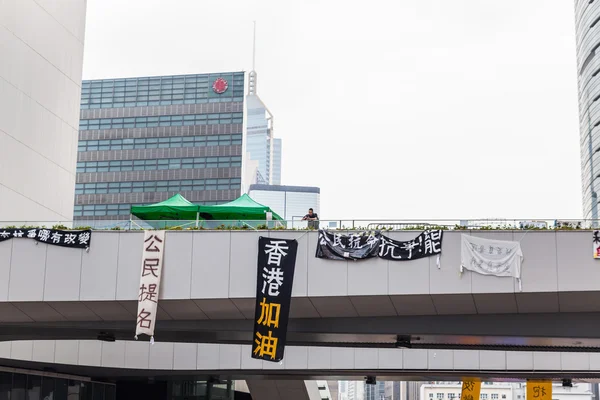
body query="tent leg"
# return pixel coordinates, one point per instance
(130, 221)
(197, 218)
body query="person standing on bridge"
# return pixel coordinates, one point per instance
(312, 218)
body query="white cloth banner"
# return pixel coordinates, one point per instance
(491, 257)
(152, 260)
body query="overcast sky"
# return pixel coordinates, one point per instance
(405, 109)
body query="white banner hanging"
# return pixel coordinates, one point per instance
(491, 257)
(152, 260)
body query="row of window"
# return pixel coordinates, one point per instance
(161, 80)
(482, 396)
(162, 120)
(122, 98)
(178, 94)
(160, 103)
(140, 92)
(160, 164)
(157, 90)
(160, 143)
(157, 186)
(102, 210)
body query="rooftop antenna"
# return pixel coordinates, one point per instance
(252, 74)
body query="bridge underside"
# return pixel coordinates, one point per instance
(304, 375)
(573, 332)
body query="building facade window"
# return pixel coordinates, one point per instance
(157, 186)
(160, 120)
(138, 92)
(160, 142)
(160, 164)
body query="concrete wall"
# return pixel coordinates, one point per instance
(41, 48)
(212, 274)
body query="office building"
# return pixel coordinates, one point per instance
(452, 390)
(142, 140)
(355, 390)
(588, 74)
(261, 146)
(579, 391)
(41, 52)
(290, 202)
(324, 391)
(276, 157)
(375, 392)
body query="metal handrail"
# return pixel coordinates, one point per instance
(339, 224)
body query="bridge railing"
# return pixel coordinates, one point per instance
(298, 224)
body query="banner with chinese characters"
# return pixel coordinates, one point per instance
(355, 246)
(152, 260)
(539, 390)
(491, 257)
(74, 239)
(596, 244)
(275, 277)
(471, 387)
(427, 244)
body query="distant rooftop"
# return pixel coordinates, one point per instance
(283, 188)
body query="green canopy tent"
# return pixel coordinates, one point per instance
(175, 208)
(241, 209)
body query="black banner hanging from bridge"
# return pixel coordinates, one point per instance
(427, 244)
(355, 246)
(56, 237)
(275, 277)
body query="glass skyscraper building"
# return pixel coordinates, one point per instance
(262, 149)
(142, 140)
(587, 23)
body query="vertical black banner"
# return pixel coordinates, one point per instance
(275, 277)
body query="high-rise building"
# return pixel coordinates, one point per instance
(588, 67)
(259, 138)
(392, 391)
(142, 140)
(356, 390)
(261, 146)
(276, 162)
(41, 48)
(375, 392)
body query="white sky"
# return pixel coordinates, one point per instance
(395, 109)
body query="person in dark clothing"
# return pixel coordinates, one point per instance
(312, 218)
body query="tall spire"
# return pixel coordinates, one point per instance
(252, 74)
(254, 47)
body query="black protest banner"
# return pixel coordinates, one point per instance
(275, 277)
(356, 246)
(427, 244)
(73, 239)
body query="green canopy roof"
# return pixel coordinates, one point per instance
(242, 209)
(174, 208)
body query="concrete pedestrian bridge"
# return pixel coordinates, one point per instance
(208, 289)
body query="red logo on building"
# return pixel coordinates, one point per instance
(220, 86)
